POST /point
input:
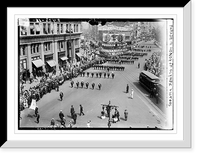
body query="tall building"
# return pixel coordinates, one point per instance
(47, 44)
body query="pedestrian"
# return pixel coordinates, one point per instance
(61, 115)
(72, 111)
(99, 85)
(36, 111)
(109, 123)
(93, 84)
(77, 84)
(87, 84)
(81, 110)
(74, 117)
(132, 92)
(138, 65)
(38, 118)
(127, 88)
(72, 83)
(52, 122)
(125, 115)
(61, 96)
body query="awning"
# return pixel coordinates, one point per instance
(51, 63)
(64, 58)
(38, 63)
(79, 54)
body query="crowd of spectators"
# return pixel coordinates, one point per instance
(154, 64)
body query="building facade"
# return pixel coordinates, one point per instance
(48, 44)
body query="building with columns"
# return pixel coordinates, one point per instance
(47, 44)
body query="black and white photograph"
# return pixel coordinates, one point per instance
(95, 74)
(99, 77)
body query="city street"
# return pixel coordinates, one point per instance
(142, 110)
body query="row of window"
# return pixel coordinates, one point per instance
(48, 28)
(47, 46)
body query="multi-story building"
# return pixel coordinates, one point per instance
(47, 44)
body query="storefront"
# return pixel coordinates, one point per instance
(62, 61)
(49, 63)
(37, 66)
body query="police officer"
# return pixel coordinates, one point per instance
(72, 83)
(77, 84)
(93, 84)
(61, 96)
(82, 84)
(99, 85)
(87, 84)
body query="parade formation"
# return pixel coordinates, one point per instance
(105, 92)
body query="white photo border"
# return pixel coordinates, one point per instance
(181, 137)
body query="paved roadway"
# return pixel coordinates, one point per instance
(142, 110)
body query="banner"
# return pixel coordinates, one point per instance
(111, 37)
(33, 104)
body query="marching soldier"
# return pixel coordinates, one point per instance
(83, 73)
(93, 84)
(113, 75)
(96, 74)
(87, 84)
(61, 96)
(77, 84)
(82, 84)
(92, 74)
(88, 74)
(72, 83)
(99, 85)
(100, 74)
(108, 75)
(104, 75)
